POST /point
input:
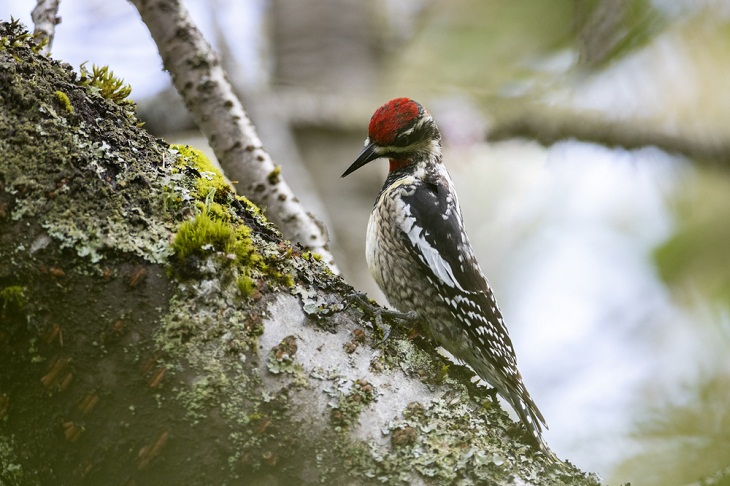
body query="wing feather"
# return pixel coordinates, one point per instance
(433, 225)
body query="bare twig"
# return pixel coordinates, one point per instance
(45, 19)
(201, 81)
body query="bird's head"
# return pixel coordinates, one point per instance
(402, 131)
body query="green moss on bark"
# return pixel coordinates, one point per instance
(101, 80)
(64, 101)
(12, 297)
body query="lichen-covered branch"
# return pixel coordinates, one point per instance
(199, 77)
(45, 18)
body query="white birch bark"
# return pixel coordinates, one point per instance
(45, 19)
(201, 81)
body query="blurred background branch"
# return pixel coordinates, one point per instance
(548, 125)
(45, 18)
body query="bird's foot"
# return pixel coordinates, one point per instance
(372, 309)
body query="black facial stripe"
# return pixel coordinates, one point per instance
(421, 131)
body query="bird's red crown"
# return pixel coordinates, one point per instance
(391, 118)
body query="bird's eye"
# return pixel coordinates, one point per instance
(408, 138)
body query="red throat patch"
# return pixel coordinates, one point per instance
(390, 118)
(396, 164)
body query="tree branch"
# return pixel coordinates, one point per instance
(45, 19)
(548, 126)
(200, 79)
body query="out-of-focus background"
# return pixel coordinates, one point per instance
(589, 141)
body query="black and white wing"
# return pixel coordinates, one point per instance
(434, 228)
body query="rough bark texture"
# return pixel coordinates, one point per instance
(199, 77)
(156, 329)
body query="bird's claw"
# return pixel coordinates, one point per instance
(372, 309)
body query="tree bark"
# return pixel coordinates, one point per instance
(156, 329)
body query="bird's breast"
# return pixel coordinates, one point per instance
(394, 268)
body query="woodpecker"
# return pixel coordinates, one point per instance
(419, 254)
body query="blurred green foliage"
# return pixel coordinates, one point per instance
(696, 259)
(681, 443)
(607, 30)
(684, 442)
(501, 47)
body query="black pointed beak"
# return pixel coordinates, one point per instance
(368, 154)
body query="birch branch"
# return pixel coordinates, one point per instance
(201, 81)
(45, 18)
